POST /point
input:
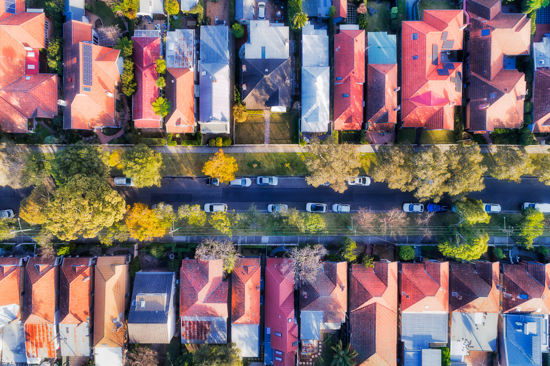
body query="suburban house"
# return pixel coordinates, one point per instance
(432, 69)
(373, 313)
(315, 80)
(215, 84)
(522, 339)
(266, 69)
(382, 104)
(180, 80)
(152, 318)
(75, 304)
(526, 288)
(40, 309)
(150, 7)
(74, 10)
(320, 9)
(424, 311)
(349, 75)
(245, 10)
(496, 91)
(25, 93)
(111, 297)
(203, 302)
(246, 280)
(323, 303)
(475, 305)
(541, 85)
(146, 51)
(12, 330)
(91, 74)
(186, 5)
(281, 327)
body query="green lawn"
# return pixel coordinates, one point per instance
(380, 20)
(102, 10)
(283, 127)
(437, 137)
(252, 131)
(406, 134)
(327, 355)
(436, 4)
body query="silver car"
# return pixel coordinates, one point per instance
(123, 181)
(359, 181)
(215, 207)
(6, 214)
(341, 208)
(267, 181)
(240, 182)
(316, 207)
(261, 10)
(277, 208)
(413, 207)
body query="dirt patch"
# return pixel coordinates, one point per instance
(218, 9)
(152, 264)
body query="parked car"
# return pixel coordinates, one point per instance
(491, 207)
(213, 182)
(123, 182)
(215, 207)
(359, 181)
(277, 207)
(542, 207)
(261, 10)
(341, 208)
(267, 181)
(413, 207)
(434, 207)
(6, 214)
(240, 182)
(316, 207)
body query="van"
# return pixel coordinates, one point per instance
(542, 207)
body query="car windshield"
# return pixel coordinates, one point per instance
(487, 208)
(128, 181)
(363, 180)
(411, 207)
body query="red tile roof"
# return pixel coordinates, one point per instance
(349, 71)
(180, 91)
(341, 8)
(541, 103)
(473, 287)
(10, 281)
(526, 286)
(146, 51)
(373, 316)
(245, 291)
(19, 7)
(431, 87)
(425, 287)
(279, 308)
(382, 100)
(75, 298)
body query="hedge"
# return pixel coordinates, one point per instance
(153, 141)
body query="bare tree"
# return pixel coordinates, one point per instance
(423, 222)
(12, 164)
(47, 251)
(307, 263)
(394, 222)
(224, 250)
(367, 219)
(108, 36)
(142, 356)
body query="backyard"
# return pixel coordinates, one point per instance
(434, 4)
(102, 10)
(380, 20)
(252, 131)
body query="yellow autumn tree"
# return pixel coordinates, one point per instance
(221, 166)
(142, 223)
(115, 159)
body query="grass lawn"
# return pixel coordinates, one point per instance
(367, 159)
(437, 137)
(436, 4)
(327, 356)
(283, 127)
(252, 131)
(380, 20)
(406, 134)
(177, 23)
(103, 11)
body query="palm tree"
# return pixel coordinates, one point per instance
(299, 20)
(343, 356)
(161, 106)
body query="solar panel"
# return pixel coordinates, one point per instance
(448, 45)
(9, 6)
(444, 36)
(87, 65)
(485, 32)
(435, 54)
(442, 72)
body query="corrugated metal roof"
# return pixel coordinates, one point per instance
(12, 337)
(476, 329)
(75, 339)
(431, 357)
(523, 339)
(382, 48)
(151, 297)
(39, 340)
(315, 99)
(188, 4)
(541, 53)
(74, 10)
(266, 41)
(247, 338)
(180, 48)
(244, 9)
(214, 93)
(108, 356)
(214, 44)
(199, 330)
(314, 47)
(310, 324)
(418, 330)
(413, 358)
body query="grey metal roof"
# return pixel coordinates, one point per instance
(108, 356)
(267, 41)
(310, 324)
(186, 5)
(473, 332)
(150, 7)
(244, 9)
(12, 340)
(75, 339)
(431, 357)
(247, 338)
(180, 48)
(214, 92)
(541, 53)
(413, 358)
(382, 48)
(214, 44)
(74, 10)
(267, 83)
(316, 8)
(217, 333)
(314, 47)
(315, 99)
(151, 298)
(523, 339)
(418, 330)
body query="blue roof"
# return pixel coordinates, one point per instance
(74, 10)
(382, 48)
(151, 289)
(523, 339)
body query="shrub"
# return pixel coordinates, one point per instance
(212, 142)
(197, 142)
(364, 140)
(226, 141)
(153, 141)
(66, 250)
(219, 142)
(170, 141)
(174, 265)
(498, 253)
(543, 251)
(349, 250)
(528, 107)
(332, 258)
(526, 137)
(406, 253)
(528, 119)
(238, 30)
(135, 266)
(158, 251)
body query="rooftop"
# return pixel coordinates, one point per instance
(425, 287)
(526, 288)
(180, 48)
(473, 287)
(524, 337)
(180, 91)
(146, 52)
(541, 112)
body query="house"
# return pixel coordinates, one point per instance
(318, 8)
(349, 74)
(541, 85)
(74, 10)
(526, 288)
(246, 283)
(432, 69)
(152, 318)
(150, 7)
(203, 302)
(25, 93)
(245, 10)
(523, 338)
(215, 93)
(382, 105)
(187, 5)
(180, 80)
(315, 80)
(266, 69)
(12, 330)
(75, 304)
(475, 307)
(324, 302)
(424, 310)
(281, 327)
(91, 74)
(111, 297)
(146, 52)
(9, 8)
(40, 309)
(496, 91)
(373, 313)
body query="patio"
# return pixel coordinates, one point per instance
(217, 11)
(380, 137)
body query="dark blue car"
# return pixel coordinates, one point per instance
(434, 207)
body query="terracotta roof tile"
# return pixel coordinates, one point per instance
(381, 82)
(473, 287)
(425, 286)
(10, 281)
(541, 103)
(245, 291)
(75, 291)
(526, 286)
(146, 51)
(19, 7)
(180, 91)
(341, 8)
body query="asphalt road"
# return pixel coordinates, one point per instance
(296, 193)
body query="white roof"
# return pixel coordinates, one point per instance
(108, 356)
(214, 93)
(180, 48)
(150, 7)
(12, 344)
(314, 47)
(188, 4)
(266, 40)
(247, 338)
(315, 99)
(542, 53)
(8, 313)
(310, 325)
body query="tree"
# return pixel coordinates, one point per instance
(299, 20)
(83, 206)
(471, 212)
(220, 221)
(218, 355)
(198, 10)
(343, 356)
(331, 162)
(129, 8)
(367, 220)
(468, 250)
(368, 261)
(466, 169)
(143, 224)
(161, 65)
(238, 30)
(47, 251)
(7, 229)
(162, 106)
(143, 165)
(394, 166)
(423, 221)
(160, 82)
(142, 356)
(12, 165)
(349, 250)
(117, 232)
(126, 47)
(108, 36)
(55, 55)
(511, 164)
(224, 250)
(498, 253)
(115, 158)
(306, 222)
(128, 79)
(394, 222)
(221, 166)
(165, 214)
(430, 174)
(331, 12)
(172, 7)
(406, 253)
(33, 207)
(530, 227)
(80, 159)
(36, 170)
(193, 214)
(307, 263)
(543, 167)
(239, 112)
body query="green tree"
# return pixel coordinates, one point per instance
(218, 355)
(220, 221)
(406, 253)
(172, 7)
(80, 159)
(193, 214)
(343, 356)
(238, 30)
(430, 174)
(394, 166)
(33, 208)
(55, 55)
(543, 168)
(143, 165)
(198, 10)
(530, 227)
(239, 112)
(468, 250)
(471, 212)
(510, 164)
(36, 170)
(349, 249)
(299, 21)
(331, 12)
(498, 253)
(117, 232)
(160, 82)
(161, 66)
(126, 47)
(221, 166)
(466, 167)
(128, 79)
(162, 106)
(165, 213)
(129, 8)
(7, 227)
(445, 356)
(368, 261)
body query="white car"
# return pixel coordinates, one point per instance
(341, 208)
(123, 181)
(277, 207)
(491, 207)
(261, 10)
(240, 182)
(215, 207)
(359, 181)
(413, 207)
(6, 214)
(267, 181)
(316, 207)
